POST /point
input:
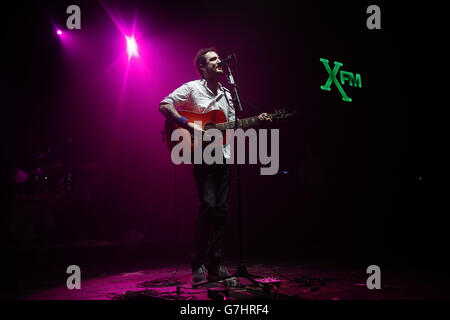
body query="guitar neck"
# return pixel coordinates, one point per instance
(242, 123)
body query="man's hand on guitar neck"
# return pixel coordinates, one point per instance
(265, 117)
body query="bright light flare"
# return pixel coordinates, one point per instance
(132, 47)
(59, 32)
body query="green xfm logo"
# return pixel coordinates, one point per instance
(354, 81)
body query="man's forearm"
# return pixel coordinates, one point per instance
(169, 111)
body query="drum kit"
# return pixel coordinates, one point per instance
(49, 202)
(48, 179)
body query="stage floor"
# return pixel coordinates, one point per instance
(301, 281)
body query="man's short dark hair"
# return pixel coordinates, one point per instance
(201, 60)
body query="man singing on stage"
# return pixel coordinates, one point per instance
(212, 181)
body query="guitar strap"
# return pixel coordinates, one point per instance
(229, 105)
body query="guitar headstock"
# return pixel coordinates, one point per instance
(281, 114)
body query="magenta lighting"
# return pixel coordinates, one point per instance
(59, 32)
(132, 47)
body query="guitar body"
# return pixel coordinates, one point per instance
(206, 120)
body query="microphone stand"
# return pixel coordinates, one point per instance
(241, 270)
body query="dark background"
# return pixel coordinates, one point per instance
(363, 179)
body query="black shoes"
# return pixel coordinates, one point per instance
(218, 273)
(199, 274)
(214, 274)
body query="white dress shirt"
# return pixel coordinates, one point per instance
(196, 96)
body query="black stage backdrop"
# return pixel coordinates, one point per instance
(358, 179)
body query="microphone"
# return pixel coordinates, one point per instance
(226, 60)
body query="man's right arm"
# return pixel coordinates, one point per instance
(170, 112)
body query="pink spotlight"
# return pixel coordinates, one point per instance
(132, 47)
(59, 32)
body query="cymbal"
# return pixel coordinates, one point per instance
(20, 176)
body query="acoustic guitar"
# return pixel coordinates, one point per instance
(212, 119)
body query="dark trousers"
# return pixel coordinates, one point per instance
(213, 184)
